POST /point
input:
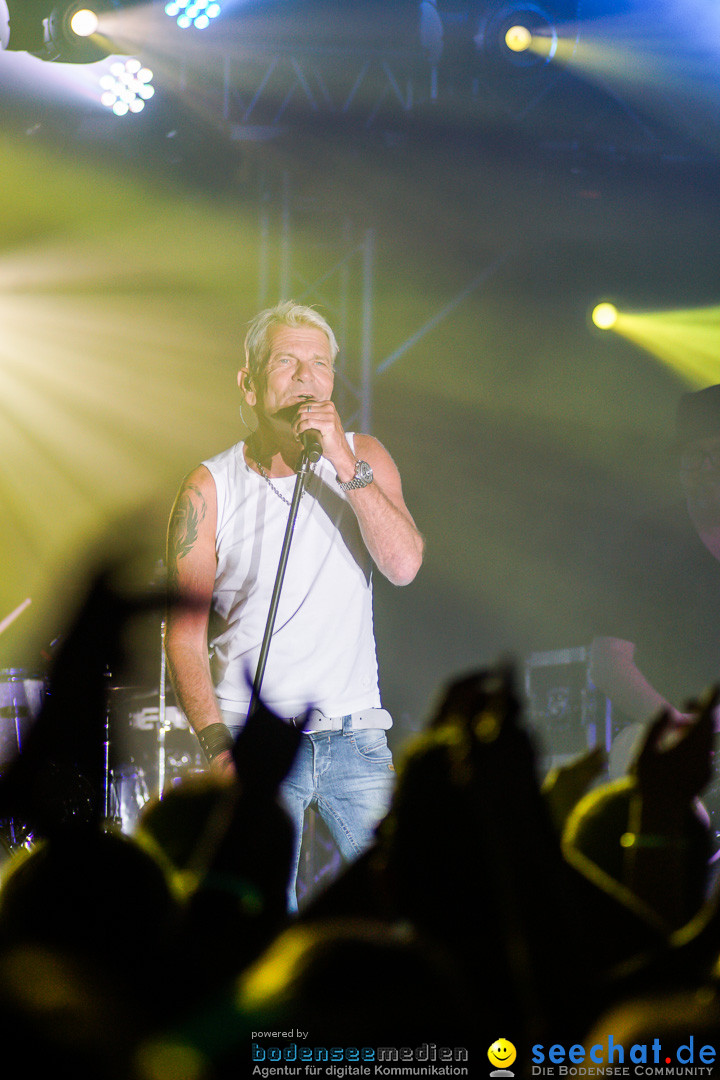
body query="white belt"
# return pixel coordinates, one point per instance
(314, 720)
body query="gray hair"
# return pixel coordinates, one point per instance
(286, 313)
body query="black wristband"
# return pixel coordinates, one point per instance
(214, 740)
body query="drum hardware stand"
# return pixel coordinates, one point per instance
(300, 481)
(107, 771)
(18, 711)
(106, 764)
(162, 714)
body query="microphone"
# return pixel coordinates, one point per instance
(311, 440)
(312, 444)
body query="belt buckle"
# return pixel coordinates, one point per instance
(312, 720)
(317, 720)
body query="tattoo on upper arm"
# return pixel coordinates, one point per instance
(187, 515)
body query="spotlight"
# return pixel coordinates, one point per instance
(84, 22)
(63, 30)
(524, 35)
(69, 31)
(126, 87)
(197, 13)
(604, 316)
(518, 38)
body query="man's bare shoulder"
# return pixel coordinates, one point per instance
(370, 448)
(199, 480)
(191, 529)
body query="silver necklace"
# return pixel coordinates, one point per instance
(272, 486)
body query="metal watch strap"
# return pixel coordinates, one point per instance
(363, 476)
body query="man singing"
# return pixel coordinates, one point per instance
(224, 542)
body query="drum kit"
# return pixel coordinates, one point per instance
(152, 747)
(148, 747)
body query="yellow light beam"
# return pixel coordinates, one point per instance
(687, 340)
(122, 311)
(546, 45)
(662, 69)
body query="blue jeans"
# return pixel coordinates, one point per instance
(349, 777)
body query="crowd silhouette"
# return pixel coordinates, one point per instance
(563, 911)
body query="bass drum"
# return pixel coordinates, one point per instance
(129, 792)
(131, 788)
(140, 751)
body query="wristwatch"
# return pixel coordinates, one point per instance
(363, 476)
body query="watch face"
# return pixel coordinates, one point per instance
(363, 472)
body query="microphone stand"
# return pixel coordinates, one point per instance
(300, 481)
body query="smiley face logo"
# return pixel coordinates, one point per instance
(502, 1054)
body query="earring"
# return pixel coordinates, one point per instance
(250, 424)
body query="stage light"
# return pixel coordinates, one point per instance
(197, 13)
(518, 38)
(605, 315)
(84, 22)
(524, 35)
(56, 30)
(126, 87)
(70, 38)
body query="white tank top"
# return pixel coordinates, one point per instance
(322, 653)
